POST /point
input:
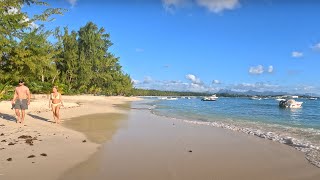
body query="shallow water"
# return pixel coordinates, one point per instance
(303, 123)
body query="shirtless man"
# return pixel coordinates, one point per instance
(21, 100)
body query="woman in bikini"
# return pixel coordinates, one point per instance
(55, 103)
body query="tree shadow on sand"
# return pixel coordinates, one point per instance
(38, 117)
(8, 117)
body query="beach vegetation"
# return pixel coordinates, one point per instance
(78, 61)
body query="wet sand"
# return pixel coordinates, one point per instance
(159, 148)
(98, 128)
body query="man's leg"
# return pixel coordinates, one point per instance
(22, 115)
(17, 115)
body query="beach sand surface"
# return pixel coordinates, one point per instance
(51, 149)
(159, 148)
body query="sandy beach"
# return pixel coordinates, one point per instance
(125, 141)
(40, 149)
(154, 147)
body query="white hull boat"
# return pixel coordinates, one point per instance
(291, 103)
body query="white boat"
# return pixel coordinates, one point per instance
(290, 103)
(312, 98)
(280, 99)
(172, 98)
(162, 98)
(255, 98)
(210, 98)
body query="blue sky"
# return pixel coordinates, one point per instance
(207, 45)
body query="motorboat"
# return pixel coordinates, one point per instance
(210, 98)
(172, 98)
(162, 98)
(255, 98)
(312, 98)
(290, 103)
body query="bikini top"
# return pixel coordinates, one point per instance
(57, 97)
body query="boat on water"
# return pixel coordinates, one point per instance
(255, 98)
(280, 99)
(290, 103)
(172, 98)
(210, 98)
(167, 98)
(312, 98)
(162, 98)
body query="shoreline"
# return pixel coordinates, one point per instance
(157, 147)
(311, 151)
(39, 148)
(124, 135)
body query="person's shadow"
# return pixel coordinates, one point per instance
(38, 117)
(8, 117)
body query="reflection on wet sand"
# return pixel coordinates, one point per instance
(98, 128)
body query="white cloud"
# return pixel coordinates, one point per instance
(171, 5)
(134, 81)
(215, 6)
(216, 82)
(258, 86)
(72, 2)
(270, 69)
(296, 54)
(193, 79)
(316, 47)
(256, 70)
(24, 19)
(31, 25)
(218, 6)
(147, 80)
(139, 50)
(12, 11)
(175, 86)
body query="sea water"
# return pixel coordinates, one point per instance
(264, 114)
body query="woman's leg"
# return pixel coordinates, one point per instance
(58, 113)
(54, 113)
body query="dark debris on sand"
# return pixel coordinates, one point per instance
(9, 159)
(11, 144)
(31, 156)
(1, 134)
(24, 137)
(29, 141)
(43, 154)
(84, 141)
(4, 140)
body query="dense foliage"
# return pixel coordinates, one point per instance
(77, 62)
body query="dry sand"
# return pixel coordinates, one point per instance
(158, 148)
(61, 148)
